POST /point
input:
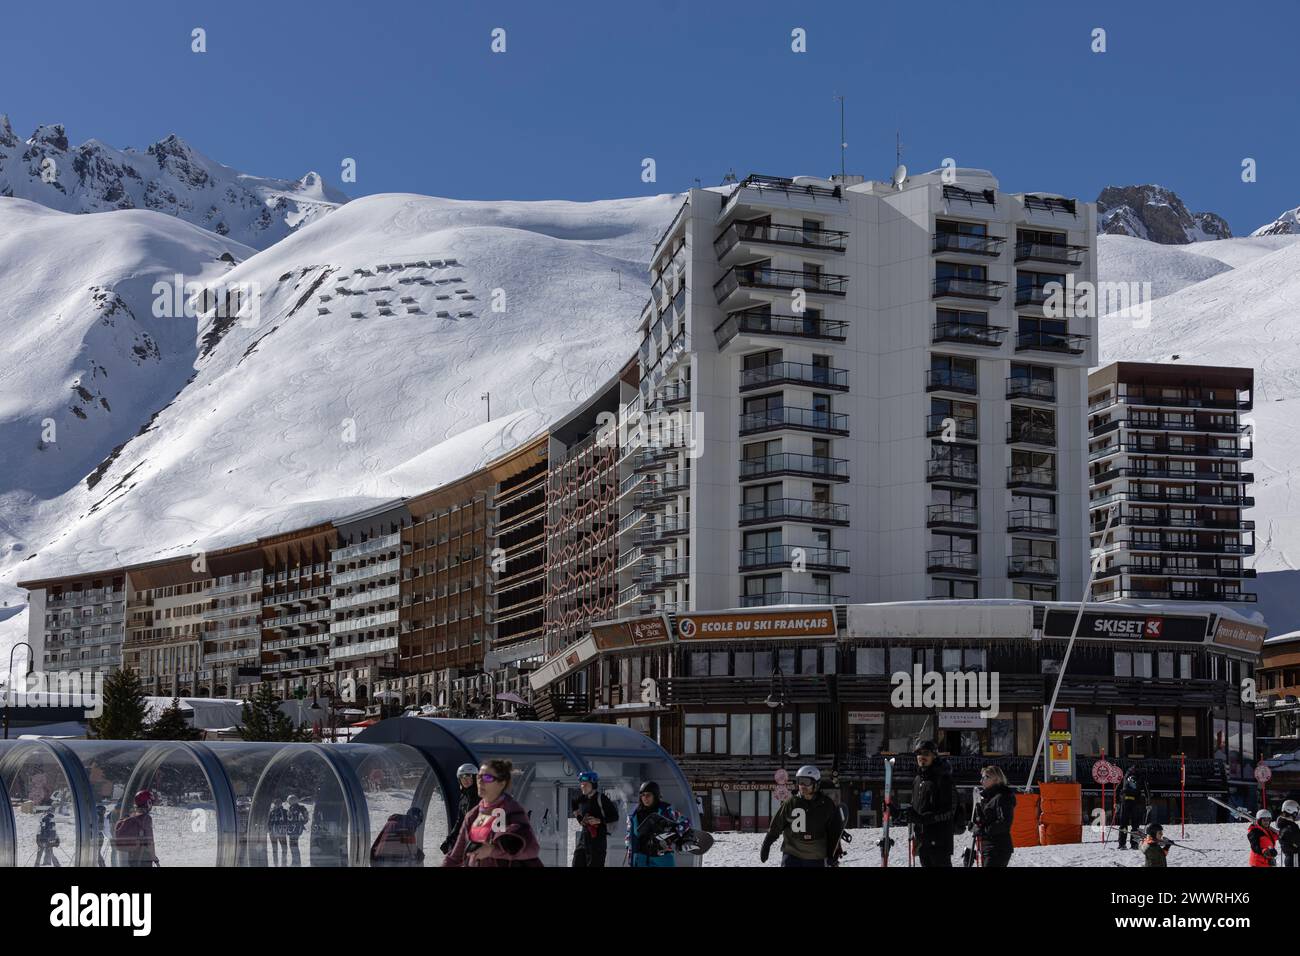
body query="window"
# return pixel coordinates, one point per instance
(869, 660)
(751, 734)
(943, 589)
(1029, 591)
(900, 660)
(705, 734)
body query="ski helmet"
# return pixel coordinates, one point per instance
(415, 815)
(145, 799)
(1263, 815)
(807, 772)
(1291, 808)
(589, 776)
(467, 770)
(650, 787)
(293, 799)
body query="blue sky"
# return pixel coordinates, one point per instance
(584, 91)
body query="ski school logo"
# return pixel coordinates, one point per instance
(686, 628)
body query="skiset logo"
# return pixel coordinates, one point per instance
(1152, 627)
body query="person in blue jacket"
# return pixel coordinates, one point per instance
(653, 829)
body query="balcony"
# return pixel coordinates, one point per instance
(374, 545)
(962, 427)
(1172, 398)
(1070, 343)
(1170, 450)
(1033, 389)
(989, 290)
(796, 419)
(951, 516)
(763, 322)
(1181, 547)
(379, 646)
(794, 373)
(297, 620)
(774, 598)
(952, 469)
(1024, 433)
(794, 509)
(952, 562)
(969, 333)
(1165, 570)
(1173, 474)
(789, 555)
(365, 572)
(1058, 253)
(740, 234)
(790, 464)
(739, 279)
(1211, 595)
(754, 190)
(1031, 522)
(1165, 521)
(1031, 566)
(951, 380)
(1169, 496)
(1139, 423)
(966, 243)
(1030, 476)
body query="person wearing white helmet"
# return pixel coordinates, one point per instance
(808, 824)
(467, 778)
(1288, 832)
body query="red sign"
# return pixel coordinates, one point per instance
(1263, 773)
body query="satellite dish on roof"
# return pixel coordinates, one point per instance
(900, 176)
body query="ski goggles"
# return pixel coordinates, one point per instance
(805, 781)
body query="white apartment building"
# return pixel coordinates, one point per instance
(852, 391)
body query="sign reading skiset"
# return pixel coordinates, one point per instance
(1127, 627)
(774, 624)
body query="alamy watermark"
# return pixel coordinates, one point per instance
(79, 689)
(947, 690)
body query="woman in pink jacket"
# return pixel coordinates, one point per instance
(497, 831)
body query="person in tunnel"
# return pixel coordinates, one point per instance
(133, 835)
(398, 842)
(47, 838)
(497, 832)
(467, 777)
(277, 825)
(295, 822)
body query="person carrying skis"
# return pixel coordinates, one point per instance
(398, 843)
(994, 814)
(652, 829)
(1155, 848)
(1263, 840)
(1132, 810)
(808, 824)
(1288, 833)
(932, 809)
(47, 838)
(497, 831)
(133, 836)
(295, 822)
(277, 825)
(466, 776)
(594, 812)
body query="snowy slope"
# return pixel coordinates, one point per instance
(333, 400)
(1246, 316)
(170, 177)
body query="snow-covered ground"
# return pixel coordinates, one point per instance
(1224, 844)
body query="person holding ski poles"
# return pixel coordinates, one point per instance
(994, 814)
(653, 828)
(1155, 848)
(1131, 811)
(466, 776)
(594, 812)
(931, 812)
(1263, 840)
(808, 824)
(1288, 833)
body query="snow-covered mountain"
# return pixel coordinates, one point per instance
(357, 378)
(1155, 213)
(1286, 224)
(170, 177)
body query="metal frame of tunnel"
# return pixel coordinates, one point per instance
(223, 793)
(8, 828)
(75, 773)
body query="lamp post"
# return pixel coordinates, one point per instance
(9, 688)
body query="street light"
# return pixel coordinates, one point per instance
(10, 686)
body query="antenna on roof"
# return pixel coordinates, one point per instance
(729, 176)
(843, 145)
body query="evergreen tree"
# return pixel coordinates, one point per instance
(171, 725)
(124, 708)
(263, 720)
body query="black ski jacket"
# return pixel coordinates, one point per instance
(808, 829)
(468, 804)
(1288, 836)
(993, 815)
(932, 805)
(602, 808)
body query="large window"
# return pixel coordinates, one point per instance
(751, 734)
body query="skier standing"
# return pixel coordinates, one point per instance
(1131, 810)
(47, 838)
(133, 836)
(993, 817)
(808, 824)
(594, 812)
(295, 822)
(932, 807)
(1155, 847)
(277, 825)
(466, 776)
(1288, 837)
(1263, 840)
(651, 819)
(497, 832)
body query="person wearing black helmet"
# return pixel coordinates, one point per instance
(1288, 833)
(932, 808)
(1155, 848)
(467, 778)
(653, 828)
(594, 812)
(808, 824)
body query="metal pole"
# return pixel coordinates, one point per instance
(1094, 565)
(9, 687)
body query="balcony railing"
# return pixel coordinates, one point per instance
(1030, 476)
(1033, 522)
(952, 469)
(951, 380)
(382, 543)
(1031, 388)
(1074, 344)
(1157, 425)
(794, 509)
(969, 243)
(1029, 434)
(969, 333)
(787, 555)
(1031, 566)
(1165, 521)
(1176, 547)
(1050, 252)
(826, 240)
(794, 373)
(1174, 474)
(795, 465)
(1167, 449)
(1207, 595)
(1170, 496)
(756, 322)
(786, 280)
(966, 288)
(1174, 571)
(791, 597)
(1158, 398)
(962, 426)
(802, 419)
(951, 516)
(955, 562)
